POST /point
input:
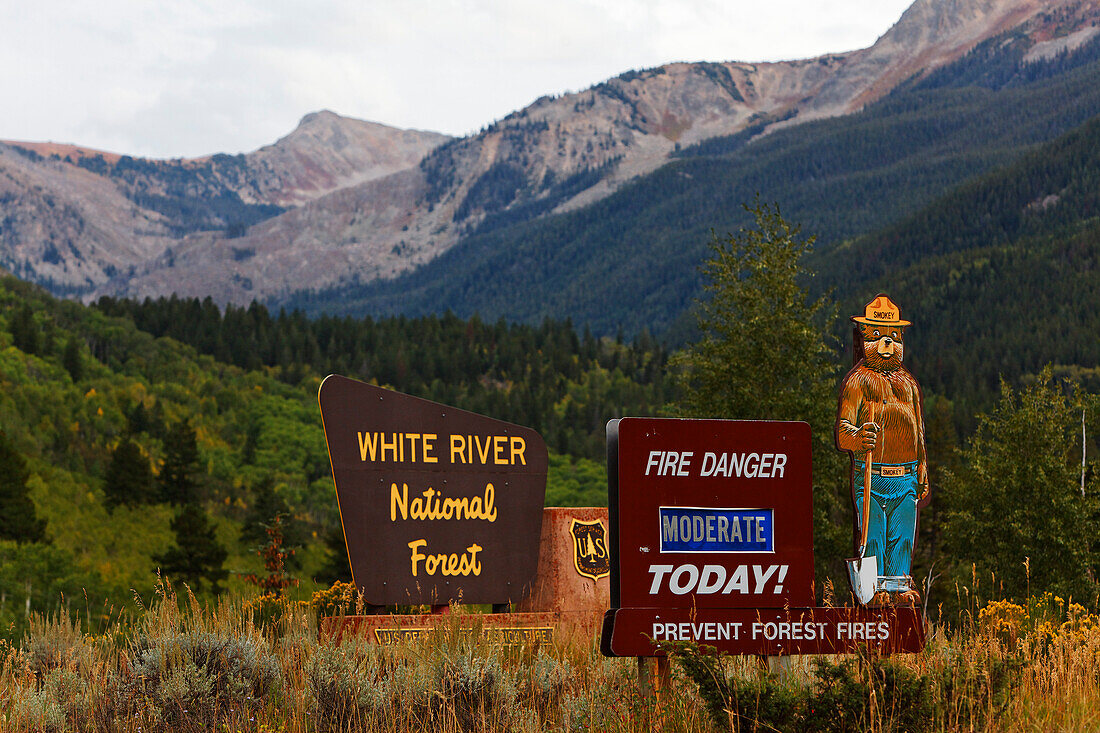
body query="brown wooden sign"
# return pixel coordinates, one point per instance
(710, 513)
(437, 503)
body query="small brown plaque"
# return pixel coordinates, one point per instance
(437, 504)
(504, 635)
(590, 556)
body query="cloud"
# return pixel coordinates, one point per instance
(195, 77)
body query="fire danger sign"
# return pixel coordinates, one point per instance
(710, 513)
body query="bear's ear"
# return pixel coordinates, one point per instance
(857, 345)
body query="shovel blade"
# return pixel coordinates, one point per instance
(863, 574)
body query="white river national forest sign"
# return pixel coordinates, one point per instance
(437, 504)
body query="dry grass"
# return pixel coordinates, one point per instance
(181, 667)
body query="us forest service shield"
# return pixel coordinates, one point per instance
(590, 556)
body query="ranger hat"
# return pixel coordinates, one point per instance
(881, 312)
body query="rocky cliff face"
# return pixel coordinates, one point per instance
(68, 228)
(327, 152)
(366, 201)
(73, 218)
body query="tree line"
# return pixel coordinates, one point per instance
(563, 384)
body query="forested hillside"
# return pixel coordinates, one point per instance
(131, 445)
(546, 377)
(631, 260)
(1000, 274)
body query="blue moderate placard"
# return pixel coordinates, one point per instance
(707, 529)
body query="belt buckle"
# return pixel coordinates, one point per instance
(891, 471)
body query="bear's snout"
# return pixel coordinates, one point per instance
(883, 353)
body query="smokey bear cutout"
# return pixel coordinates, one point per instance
(881, 426)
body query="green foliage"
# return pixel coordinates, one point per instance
(18, 519)
(266, 504)
(214, 431)
(566, 386)
(941, 442)
(1015, 504)
(764, 353)
(198, 558)
(573, 481)
(493, 190)
(335, 564)
(843, 697)
(964, 260)
(948, 690)
(36, 577)
(1044, 191)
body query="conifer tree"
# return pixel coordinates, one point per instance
(18, 520)
(197, 557)
(1015, 504)
(129, 479)
(266, 504)
(178, 482)
(765, 353)
(71, 359)
(24, 331)
(138, 421)
(276, 558)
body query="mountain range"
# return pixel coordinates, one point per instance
(596, 205)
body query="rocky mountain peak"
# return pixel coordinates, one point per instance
(327, 152)
(362, 201)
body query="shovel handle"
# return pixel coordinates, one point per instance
(866, 491)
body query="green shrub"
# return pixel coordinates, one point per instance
(63, 699)
(37, 710)
(56, 641)
(840, 697)
(189, 680)
(346, 687)
(477, 688)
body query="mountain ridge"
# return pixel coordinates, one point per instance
(274, 221)
(630, 261)
(121, 213)
(607, 135)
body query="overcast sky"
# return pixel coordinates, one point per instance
(191, 77)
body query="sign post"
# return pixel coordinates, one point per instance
(712, 542)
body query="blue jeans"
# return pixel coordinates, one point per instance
(892, 519)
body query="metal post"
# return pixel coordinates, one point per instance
(645, 684)
(780, 666)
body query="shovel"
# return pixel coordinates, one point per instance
(863, 571)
